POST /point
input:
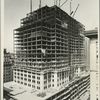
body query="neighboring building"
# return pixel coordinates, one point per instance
(94, 67)
(87, 53)
(49, 49)
(8, 64)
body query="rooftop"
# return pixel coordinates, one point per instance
(48, 10)
(20, 92)
(91, 33)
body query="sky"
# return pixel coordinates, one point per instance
(14, 10)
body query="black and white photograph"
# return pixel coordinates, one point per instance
(50, 50)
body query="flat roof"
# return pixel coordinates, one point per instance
(21, 92)
(91, 33)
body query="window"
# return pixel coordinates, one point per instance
(33, 86)
(33, 81)
(49, 85)
(38, 82)
(25, 71)
(45, 77)
(21, 82)
(38, 77)
(29, 75)
(45, 87)
(33, 76)
(29, 80)
(18, 82)
(25, 75)
(25, 79)
(38, 87)
(21, 74)
(18, 77)
(29, 72)
(15, 80)
(45, 82)
(29, 85)
(25, 83)
(21, 70)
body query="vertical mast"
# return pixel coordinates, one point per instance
(76, 10)
(30, 5)
(54, 2)
(59, 3)
(40, 4)
(70, 8)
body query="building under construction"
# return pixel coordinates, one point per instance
(49, 49)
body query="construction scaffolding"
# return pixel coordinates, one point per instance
(49, 40)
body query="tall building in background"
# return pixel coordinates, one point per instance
(8, 64)
(49, 49)
(87, 53)
(94, 67)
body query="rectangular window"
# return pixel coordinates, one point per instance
(38, 87)
(25, 83)
(49, 85)
(18, 77)
(29, 75)
(45, 82)
(45, 87)
(33, 86)
(18, 82)
(25, 79)
(38, 77)
(21, 82)
(33, 81)
(38, 82)
(29, 80)
(29, 85)
(29, 72)
(33, 76)
(21, 74)
(25, 75)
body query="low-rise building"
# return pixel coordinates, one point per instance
(8, 64)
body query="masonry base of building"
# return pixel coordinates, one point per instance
(72, 91)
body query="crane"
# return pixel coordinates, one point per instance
(31, 6)
(71, 12)
(40, 4)
(75, 10)
(59, 3)
(63, 3)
